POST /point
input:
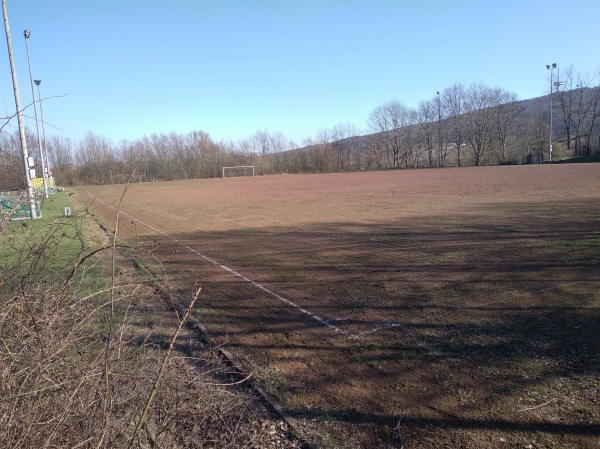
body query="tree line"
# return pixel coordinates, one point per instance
(460, 126)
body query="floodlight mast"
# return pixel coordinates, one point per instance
(439, 102)
(556, 84)
(45, 152)
(27, 33)
(30, 193)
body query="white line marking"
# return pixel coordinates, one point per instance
(323, 321)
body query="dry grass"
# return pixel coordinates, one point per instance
(92, 357)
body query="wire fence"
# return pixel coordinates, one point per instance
(17, 206)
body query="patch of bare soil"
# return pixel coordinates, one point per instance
(427, 308)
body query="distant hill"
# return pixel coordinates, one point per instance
(576, 117)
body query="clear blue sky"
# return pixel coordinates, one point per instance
(231, 67)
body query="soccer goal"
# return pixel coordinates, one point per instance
(239, 170)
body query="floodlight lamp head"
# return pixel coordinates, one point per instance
(26, 33)
(547, 66)
(37, 82)
(554, 65)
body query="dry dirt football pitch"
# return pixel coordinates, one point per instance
(460, 306)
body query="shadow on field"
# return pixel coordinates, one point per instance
(486, 320)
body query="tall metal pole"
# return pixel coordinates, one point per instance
(48, 172)
(30, 193)
(439, 129)
(550, 67)
(551, 111)
(27, 33)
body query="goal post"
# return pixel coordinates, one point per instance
(238, 170)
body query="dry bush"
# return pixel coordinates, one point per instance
(84, 351)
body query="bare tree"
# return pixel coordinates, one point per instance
(10, 157)
(579, 103)
(592, 101)
(536, 138)
(266, 144)
(480, 103)
(261, 143)
(427, 117)
(94, 155)
(201, 155)
(344, 141)
(62, 162)
(505, 114)
(413, 149)
(389, 121)
(567, 104)
(454, 105)
(319, 154)
(163, 156)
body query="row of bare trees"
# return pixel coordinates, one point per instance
(579, 104)
(461, 125)
(481, 120)
(11, 159)
(11, 163)
(437, 130)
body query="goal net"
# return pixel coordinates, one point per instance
(239, 170)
